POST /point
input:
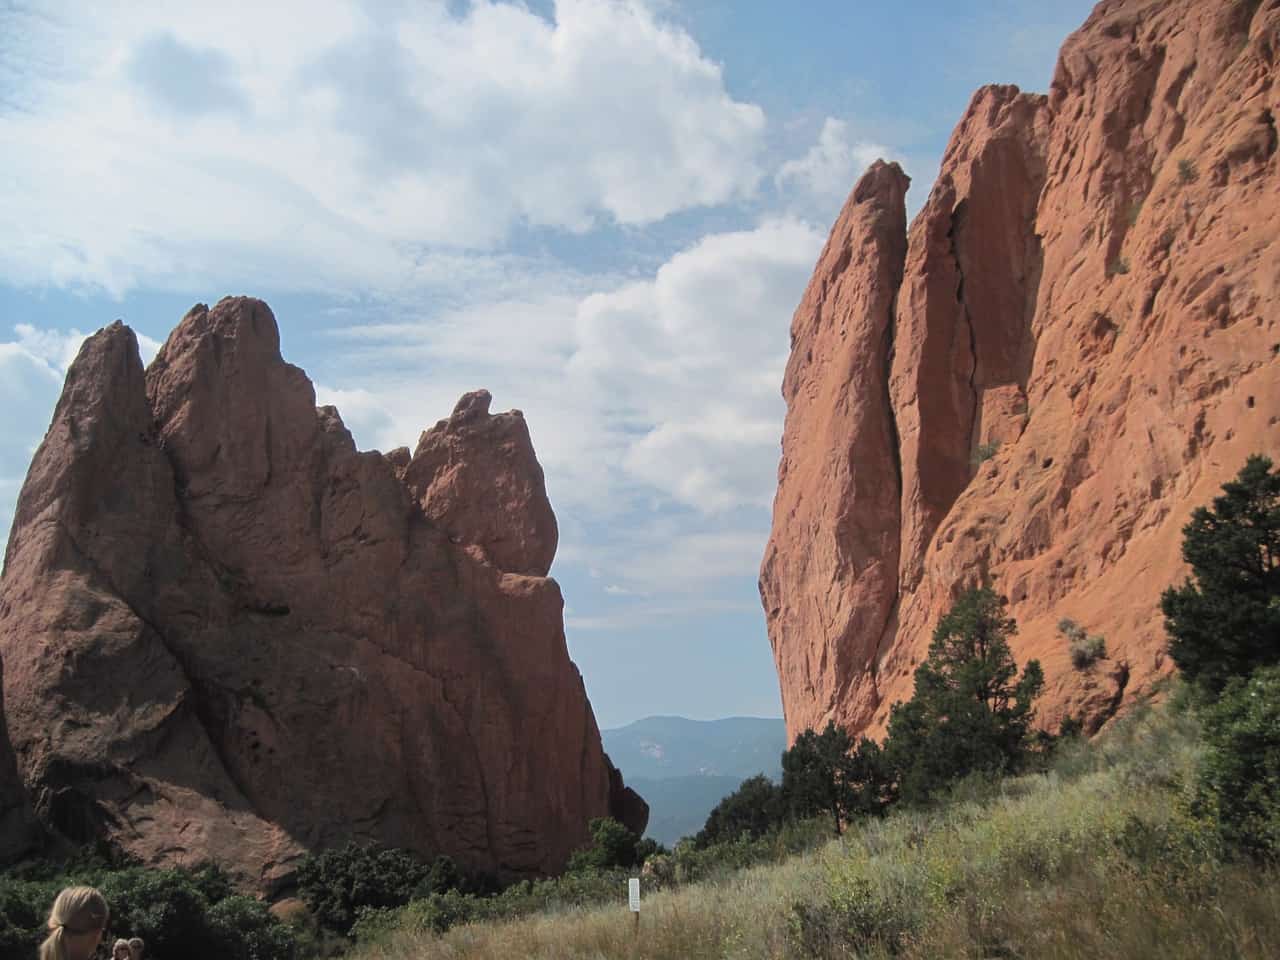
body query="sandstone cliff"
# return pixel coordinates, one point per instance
(229, 635)
(1075, 344)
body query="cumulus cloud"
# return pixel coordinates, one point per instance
(665, 388)
(654, 404)
(828, 171)
(181, 147)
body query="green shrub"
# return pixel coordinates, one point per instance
(1085, 649)
(241, 928)
(612, 845)
(1118, 266)
(1224, 621)
(337, 883)
(985, 452)
(179, 913)
(754, 809)
(853, 916)
(1187, 170)
(1239, 777)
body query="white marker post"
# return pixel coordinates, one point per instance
(633, 901)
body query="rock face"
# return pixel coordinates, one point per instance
(229, 635)
(1077, 343)
(18, 834)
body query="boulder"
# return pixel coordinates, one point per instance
(230, 635)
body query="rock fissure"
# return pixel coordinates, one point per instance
(975, 396)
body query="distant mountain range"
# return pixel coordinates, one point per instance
(683, 767)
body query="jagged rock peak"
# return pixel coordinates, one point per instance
(228, 635)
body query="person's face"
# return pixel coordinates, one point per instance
(120, 953)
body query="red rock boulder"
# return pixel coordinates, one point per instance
(229, 635)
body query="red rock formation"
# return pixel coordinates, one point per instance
(230, 635)
(475, 475)
(834, 583)
(1087, 344)
(17, 826)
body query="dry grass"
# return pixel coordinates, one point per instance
(1095, 859)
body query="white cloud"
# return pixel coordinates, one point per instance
(56, 349)
(352, 152)
(664, 390)
(828, 171)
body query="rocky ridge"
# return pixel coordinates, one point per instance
(1076, 343)
(229, 635)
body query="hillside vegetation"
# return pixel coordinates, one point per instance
(1160, 838)
(1098, 857)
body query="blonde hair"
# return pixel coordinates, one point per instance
(77, 913)
(115, 948)
(135, 943)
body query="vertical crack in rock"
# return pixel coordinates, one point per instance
(975, 414)
(888, 628)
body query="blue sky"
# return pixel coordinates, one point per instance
(604, 211)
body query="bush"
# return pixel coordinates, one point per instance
(985, 452)
(191, 914)
(337, 883)
(1084, 649)
(1239, 777)
(854, 915)
(612, 845)
(1187, 170)
(241, 928)
(754, 809)
(1224, 621)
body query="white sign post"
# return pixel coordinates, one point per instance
(633, 901)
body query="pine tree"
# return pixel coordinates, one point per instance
(970, 711)
(1224, 621)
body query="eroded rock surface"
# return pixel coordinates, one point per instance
(230, 635)
(1085, 345)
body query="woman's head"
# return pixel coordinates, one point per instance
(76, 921)
(135, 948)
(121, 950)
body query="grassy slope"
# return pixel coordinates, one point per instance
(1093, 860)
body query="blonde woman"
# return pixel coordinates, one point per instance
(135, 948)
(76, 922)
(121, 951)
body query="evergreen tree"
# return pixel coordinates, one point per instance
(824, 773)
(970, 711)
(612, 845)
(754, 808)
(1225, 619)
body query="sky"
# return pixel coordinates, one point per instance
(603, 211)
